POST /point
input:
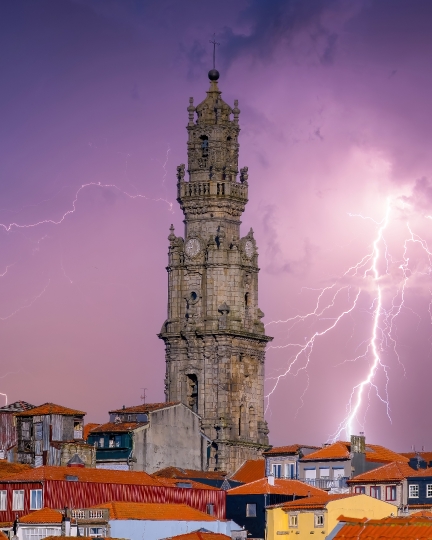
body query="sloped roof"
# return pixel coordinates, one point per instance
(17, 406)
(201, 534)
(45, 515)
(51, 408)
(3, 536)
(176, 472)
(87, 428)
(154, 511)
(172, 482)
(425, 456)
(292, 449)
(251, 470)
(391, 472)
(102, 476)
(10, 469)
(407, 528)
(145, 408)
(117, 427)
(315, 502)
(340, 450)
(281, 487)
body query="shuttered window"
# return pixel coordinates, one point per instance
(3, 500)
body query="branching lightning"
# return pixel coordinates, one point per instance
(373, 270)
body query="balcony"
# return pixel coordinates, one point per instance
(326, 483)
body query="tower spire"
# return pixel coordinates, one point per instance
(213, 74)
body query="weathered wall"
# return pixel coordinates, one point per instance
(172, 439)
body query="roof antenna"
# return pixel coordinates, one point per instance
(143, 397)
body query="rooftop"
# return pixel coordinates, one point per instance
(176, 472)
(292, 449)
(145, 408)
(407, 528)
(154, 511)
(391, 472)
(45, 515)
(51, 408)
(87, 428)
(281, 487)
(187, 483)
(10, 469)
(315, 502)
(201, 534)
(340, 450)
(117, 427)
(252, 469)
(17, 406)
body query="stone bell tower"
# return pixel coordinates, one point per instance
(214, 338)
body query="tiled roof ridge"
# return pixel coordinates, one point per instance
(285, 448)
(150, 511)
(145, 406)
(403, 469)
(43, 515)
(325, 452)
(263, 486)
(51, 408)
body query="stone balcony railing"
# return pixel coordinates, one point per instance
(210, 188)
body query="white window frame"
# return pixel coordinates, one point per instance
(413, 492)
(18, 497)
(37, 533)
(277, 468)
(251, 510)
(428, 490)
(293, 521)
(319, 520)
(39, 499)
(389, 489)
(3, 500)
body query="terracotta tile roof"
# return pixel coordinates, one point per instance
(45, 515)
(10, 469)
(337, 450)
(101, 476)
(173, 482)
(175, 472)
(341, 450)
(422, 513)
(17, 406)
(426, 456)
(391, 472)
(201, 534)
(51, 408)
(281, 487)
(422, 472)
(406, 528)
(80, 538)
(145, 408)
(315, 502)
(252, 469)
(292, 449)
(3, 536)
(118, 427)
(154, 511)
(87, 428)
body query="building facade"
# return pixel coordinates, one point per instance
(214, 337)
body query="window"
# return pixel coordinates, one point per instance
(38, 431)
(277, 470)
(101, 442)
(35, 499)
(319, 520)
(429, 490)
(360, 490)
(96, 532)
(290, 470)
(292, 521)
(390, 493)
(251, 510)
(310, 474)
(210, 509)
(413, 491)
(118, 441)
(338, 472)
(18, 499)
(375, 491)
(324, 472)
(40, 532)
(3, 500)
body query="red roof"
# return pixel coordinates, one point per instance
(252, 469)
(51, 408)
(101, 476)
(391, 472)
(316, 502)
(176, 472)
(340, 450)
(201, 535)
(425, 456)
(145, 408)
(292, 449)
(118, 427)
(3, 536)
(88, 428)
(10, 469)
(154, 511)
(174, 482)
(406, 528)
(45, 515)
(281, 487)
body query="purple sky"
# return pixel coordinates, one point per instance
(336, 124)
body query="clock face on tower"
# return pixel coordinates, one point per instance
(193, 247)
(249, 249)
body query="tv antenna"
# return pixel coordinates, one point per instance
(144, 395)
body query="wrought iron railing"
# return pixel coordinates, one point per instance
(326, 483)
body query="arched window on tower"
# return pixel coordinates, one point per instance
(204, 146)
(252, 423)
(192, 392)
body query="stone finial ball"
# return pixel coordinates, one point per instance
(213, 74)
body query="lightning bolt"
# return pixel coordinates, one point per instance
(372, 281)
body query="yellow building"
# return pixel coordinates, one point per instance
(319, 514)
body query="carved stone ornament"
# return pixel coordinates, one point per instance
(192, 247)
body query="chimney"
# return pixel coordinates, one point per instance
(358, 443)
(271, 479)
